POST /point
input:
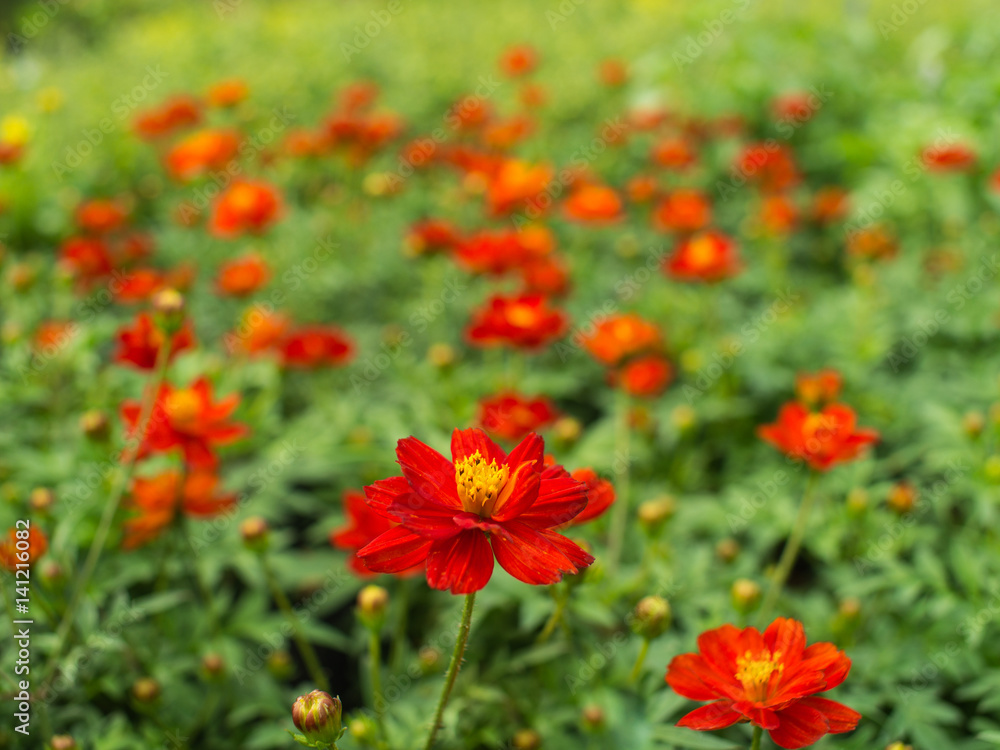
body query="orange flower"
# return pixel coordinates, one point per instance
(619, 337)
(830, 204)
(511, 416)
(612, 72)
(259, 330)
(498, 252)
(778, 214)
(22, 546)
(245, 206)
(948, 158)
(53, 335)
(795, 106)
(317, 346)
(874, 243)
(674, 152)
(522, 321)
(547, 276)
(301, 143)
(87, 258)
(432, 236)
(364, 524)
(683, 210)
(176, 113)
(10, 153)
(771, 165)
(140, 344)
(159, 498)
(100, 216)
(138, 285)
(242, 276)
(819, 387)
(469, 113)
(532, 95)
(508, 133)
(707, 256)
(768, 679)
(227, 93)
(518, 61)
(645, 376)
(518, 184)
(187, 419)
(642, 188)
(821, 439)
(202, 151)
(593, 204)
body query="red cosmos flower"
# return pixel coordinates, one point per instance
(873, 243)
(511, 416)
(600, 495)
(53, 335)
(259, 330)
(683, 210)
(302, 143)
(457, 515)
(176, 113)
(621, 336)
(795, 106)
(100, 216)
(645, 376)
(365, 523)
(771, 165)
(518, 60)
(830, 204)
(778, 214)
(518, 184)
(707, 256)
(317, 346)
(546, 276)
(432, 236)
(201, 152)
(506, 134)
(497, 252)
(768, 679)
(10, 152)
(955, 157)
(242, 276)
(88, 258)
(139, 284)
(819, 387)
(593, 204)
(188, 419)
(674, 152)
(38, 545)
(821, 439)
(159, 498)
(139, 344)
(227, 93)
(522, 321)
(245, 207)
(358, 96)
(642, 188)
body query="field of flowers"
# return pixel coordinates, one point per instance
(528, 375)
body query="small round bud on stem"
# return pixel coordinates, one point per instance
(651, 617)
(527, 739)
(592, 718)
(94, 424)
(146, 690)
(372, 603)
(727, 550)
(255, 533)
(654, 514)
(62, 742)
(42, 499)
(318, 716)
(169, 307)
(745, 595)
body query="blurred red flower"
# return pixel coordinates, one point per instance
(458, 514)
(956, 157)
(673, 152)
(771, 165)
(202, 152)
(683, 210)
(518, 60)
(523, 321)
(242, 276)
(600, 495)
(181, 111)
(768, 679)
(830, 204)
(365, 523)
(818, 387)
(316, 346)
(707, 256)
(245, 206)
(100, 216)
(645, 376)
(227, 93)
(87, 258)
(158, 499)
(821, 439)
(621, 336)
(432, 236)
(38, 545)
(593, 204)
(511, 416)
(872, 243)
(139, 343)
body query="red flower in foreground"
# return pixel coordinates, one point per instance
(245, 207)
(525, 321)
(364, 524)
(139, 344)
(159, 498)
(11, 555)
(458, 514)
(511, 416)
(707, 256)
(188, 419)
(242, 276)
(768, 679)
(821, 439)
(317, 346)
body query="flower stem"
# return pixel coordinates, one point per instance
(639, 661)
(790, 552)
(757, 734)
(191, 556)
(557, 613)
(375, 665)
(305, 648)
(453, 667)
(619, 511)
(128, 458)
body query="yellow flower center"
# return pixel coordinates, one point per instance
(521, 316)
(755, 673)
(480, 483)
(702, 252)
(183, 406)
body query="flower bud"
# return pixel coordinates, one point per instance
(372, 603)
(651, 617)
(973, 423)
(592, 718)
(62, 742)
(745, 595)
(898, 746)
(727, 549)
(169, 307)
(684, 417)
(363, 729)
(146, 690)
(279, 664)
(212, 665)
(441, 355)
(654, 514)
(42, 499)
(429, 659)
(857, 502)
(51, 572)
(567, 429)
(255, 533)
(902, 497)
(318, 716)
(527, 739)
(94, 424)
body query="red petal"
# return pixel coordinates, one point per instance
(576, 554)
(395, 551)
(384, 492)
(466, 442)
(462, 564)
(529, 556)
(691, 676)
(520, 493)
(839, 717)
(789, 637)
(799, 725)
(429, 473)
(713, 716)
(428, 519)
(529, 450)
(560, 500)
(828, 659)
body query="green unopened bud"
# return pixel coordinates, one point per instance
(42, 499)
(567, 429)
(654, 514)
(973, 423)
(212, 665)
(94, 424)
(318, 716)
(363, 729)
(857, 502)
(745, 595)
(727, 549)
(146, 690)
(169, 307)
(592, 717)
(279, 664)
(651, 617)
(62, 742)
(684, 417)
(527, 739)
(255, 533)
(372, 603)
(898, 746)
(429, 659)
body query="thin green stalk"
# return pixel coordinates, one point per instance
(206, 595)
(791, 551)
(620, 510)
(557, 613)
(130, 455)
(305, 648)
(757, 734)
(399, 633)
(453, 667)
(640, 660)
(375, 665)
